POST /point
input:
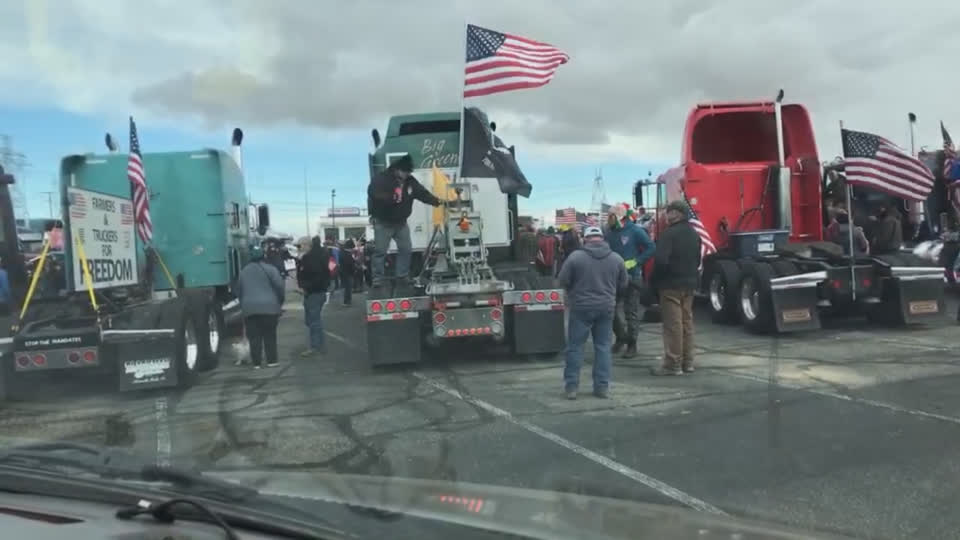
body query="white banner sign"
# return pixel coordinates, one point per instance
(104, 225)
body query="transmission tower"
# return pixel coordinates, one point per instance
(15, 162)
(599, 193)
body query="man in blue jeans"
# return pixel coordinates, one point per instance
(592, 275)
(389, 202)
(313, 278)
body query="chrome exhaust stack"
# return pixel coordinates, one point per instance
(235, 141)
(784, 207)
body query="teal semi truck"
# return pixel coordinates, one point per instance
(150, 316)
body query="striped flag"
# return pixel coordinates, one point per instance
(498, 62)
(874, 162)
(951, 168)
(138, 186)
(706, 242)
(566, 216)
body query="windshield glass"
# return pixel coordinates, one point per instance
(432, 269)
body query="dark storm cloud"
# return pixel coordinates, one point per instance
(636, 67)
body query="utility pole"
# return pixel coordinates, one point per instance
(306, 204)
(49, 195)
(333, 212)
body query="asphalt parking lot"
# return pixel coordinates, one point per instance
(852, 429)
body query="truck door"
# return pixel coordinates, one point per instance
(9, 244)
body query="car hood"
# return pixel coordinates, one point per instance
(526, 512)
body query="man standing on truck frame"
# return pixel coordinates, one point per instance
(390, 201)
(633, 244)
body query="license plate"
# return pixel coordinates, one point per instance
(765, 247)
(795, 315)
(924, 306)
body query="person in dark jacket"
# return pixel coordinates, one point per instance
(313, 278)
(633, 244)
(261, 292)
(676, 275)
(591, 276)
(390, 201)
(888, 233)
(346, 271)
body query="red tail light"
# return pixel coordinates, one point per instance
(867, 283)
(405, 305)
(496, 314)
(40, 359)
(527, 297)
(837, 284)
(554, 296)
(23, 361)
(89, 356)
(376, 307)
(541, 296)
(74, 357)
(439, 318)
(391, 306)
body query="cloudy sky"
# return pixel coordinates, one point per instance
(307, 79)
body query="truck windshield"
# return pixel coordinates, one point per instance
(731, 137)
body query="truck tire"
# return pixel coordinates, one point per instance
(210, 332)
(187, 351)
(723, 283)
(754, 297)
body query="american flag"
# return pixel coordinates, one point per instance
(498, 62)
(584, 221)
(874, 162)
(706, 242)
(138, 185)
(566, 216)
(951, 171)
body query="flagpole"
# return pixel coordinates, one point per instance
(463, 101)
(850, 226)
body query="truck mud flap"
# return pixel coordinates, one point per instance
(538, 329)
(145, 358)
(916, 292)
(394, 340)
(794, 301)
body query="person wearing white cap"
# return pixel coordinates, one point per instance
(591, 275)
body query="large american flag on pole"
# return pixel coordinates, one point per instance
(498, 62)
(138, 186)
(874, 162)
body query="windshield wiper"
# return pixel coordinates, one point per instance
(113, 464)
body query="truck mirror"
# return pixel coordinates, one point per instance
(493, 126)
(638, 195)
(263, 219)
(376, 137)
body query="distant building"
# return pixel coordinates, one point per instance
(345, 222)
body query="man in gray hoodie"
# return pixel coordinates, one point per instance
(592, 275)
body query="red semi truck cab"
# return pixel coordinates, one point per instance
(751, 173)
(728, 153)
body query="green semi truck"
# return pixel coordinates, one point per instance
(147, 315)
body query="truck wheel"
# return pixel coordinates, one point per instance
(755, 302)
(210, 332)
(722, 285)
(187, 358)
